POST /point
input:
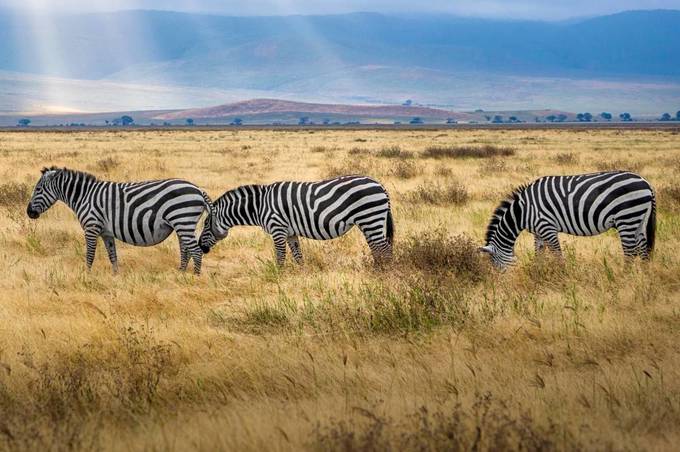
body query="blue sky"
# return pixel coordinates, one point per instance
(515, 9)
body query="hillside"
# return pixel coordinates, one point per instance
(273, 107)
(277, 111)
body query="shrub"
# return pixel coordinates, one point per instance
(433, 193)
(435, 251)
(405, 170)
(485, 425)
(456, 152)
(394, 152)
(669, 197)
(618, 165)
(358, 151)
(14, 194)
(107, 164)
(350, 166)
(443, 171)
(566, 158)
(493, 166)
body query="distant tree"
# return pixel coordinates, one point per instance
(416, 120)
(236, 122)
(190, 122)
(551, 118)
(665, 117)
(513, 119)
(561, 117)
(479, 110)
(106, 121)
(677, 116)
(326, 121)
(126, 120)
(625, 117)
(487, 117)
(23, 122)
(407, 103)
(497, 119)
(606, 116)
(587, 117)
(451, 121)
(303, 121)
(396, 123)
(166, 123)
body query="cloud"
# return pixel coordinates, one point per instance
(528, 9)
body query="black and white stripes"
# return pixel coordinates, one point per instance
(316, 210)
(583, 205)
(139, 213)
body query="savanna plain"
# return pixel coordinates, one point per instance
(434, 351)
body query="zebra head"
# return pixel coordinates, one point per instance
(213, 231)
(505, 225)
(500, 257)
(45, 193)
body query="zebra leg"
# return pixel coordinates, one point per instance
(294, 245)
(189, 246)
(110, 244)
(551, 240)
(280, 248)
(380, 247)
(91, 237)
(184, 255)
(539, 244)
(629, 240)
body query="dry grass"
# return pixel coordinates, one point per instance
(434, 193)
(394, 152)
(459, 152)
(436, 351)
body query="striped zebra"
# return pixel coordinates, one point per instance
(138, 213)
(316, 210)
(583, 205)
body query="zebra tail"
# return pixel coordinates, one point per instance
(389, 232)
(651, 227)
(208, 203)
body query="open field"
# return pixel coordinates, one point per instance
(436, 351)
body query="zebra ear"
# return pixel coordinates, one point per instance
(48, 173)
(485, 249)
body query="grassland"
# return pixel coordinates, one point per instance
(436, 351)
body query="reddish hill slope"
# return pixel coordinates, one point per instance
(273, 106)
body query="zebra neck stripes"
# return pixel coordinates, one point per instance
(507, 222)
(241, 206)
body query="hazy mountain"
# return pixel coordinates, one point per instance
(456, 62)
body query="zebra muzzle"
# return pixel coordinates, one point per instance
(32, 214)
(205, 249)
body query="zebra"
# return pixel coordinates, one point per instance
(320, 210)
(582, 205)
(138, 213)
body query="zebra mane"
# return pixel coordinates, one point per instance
(239, 189)
(71, 172)
(500, 211)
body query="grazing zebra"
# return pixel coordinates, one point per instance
(139, 213)
(316, 210)
(584, 205)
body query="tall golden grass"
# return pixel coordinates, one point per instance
(437, 351)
